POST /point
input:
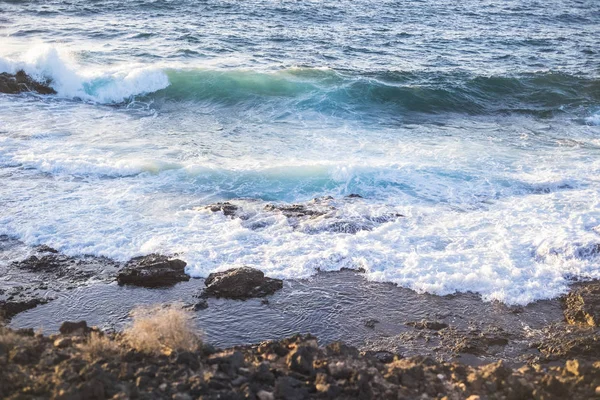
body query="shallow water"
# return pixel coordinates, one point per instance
(332, 306)
(478, 122)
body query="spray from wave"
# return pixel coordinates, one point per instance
(111, 85)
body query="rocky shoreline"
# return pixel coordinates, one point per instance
(81, 363)
(546, 350)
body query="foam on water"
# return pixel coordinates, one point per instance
(594, 119)
(511, 216)
(492, 159)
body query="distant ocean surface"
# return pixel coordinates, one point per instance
(478, 121)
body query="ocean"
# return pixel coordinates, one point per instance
(470, 132)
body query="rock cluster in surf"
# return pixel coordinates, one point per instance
(21, 82)
(318, 215)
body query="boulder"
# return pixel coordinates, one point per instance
(70, 328)
(582, 304)
(153, 270)
(21, 82)
(241, 283)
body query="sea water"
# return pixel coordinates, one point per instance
(477, 121)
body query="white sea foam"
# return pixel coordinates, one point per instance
(506, 208)
(594, 119)
(505, 222)
(108, 85)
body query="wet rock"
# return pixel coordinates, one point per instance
(558, 343)
(290, 388)
(383, 356)
(473, 341)
(296, 210)
(202, 304)
(370, 323)
(431, 325)
(153, 270)
(582, 304)
(21, 82)
(301, 360)
(46, 249)
(71, 328)
(60, 267)
(49, 263)
(354, 196)
(9, 309)
(226, 208)
(240, 283)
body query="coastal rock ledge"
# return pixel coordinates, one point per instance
(21, 82)
(583, 304)
(240, 283)
(153, 270)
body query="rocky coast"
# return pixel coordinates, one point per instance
(422, 346)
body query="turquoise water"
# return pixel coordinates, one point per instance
(479, 122)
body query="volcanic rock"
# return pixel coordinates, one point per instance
(153, 270)
(9, 309)
(582, 304)
(21, 82)
(241, 283)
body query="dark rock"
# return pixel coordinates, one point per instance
(289, 388)
(9, 309)
(263, 374)
(69, 328)
(354, 196)
(383, 356)
(188, 359)
(577, 341)
(226, 208)
(301, 360)
(153, 270)
(582, 304)
(49, 263)
(431, 325)
(370, 323)
(296, 210)
(202, 304)
(241, 283)
(21, 82)
(46, 249)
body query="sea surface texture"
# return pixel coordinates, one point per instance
(471, 131)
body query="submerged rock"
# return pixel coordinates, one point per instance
(153, 270)
(431, 325)
(296, 210)
(557, 342)
(582, 304)
(241, 283)
(21, 82)
(9, 309)
(226, 208)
